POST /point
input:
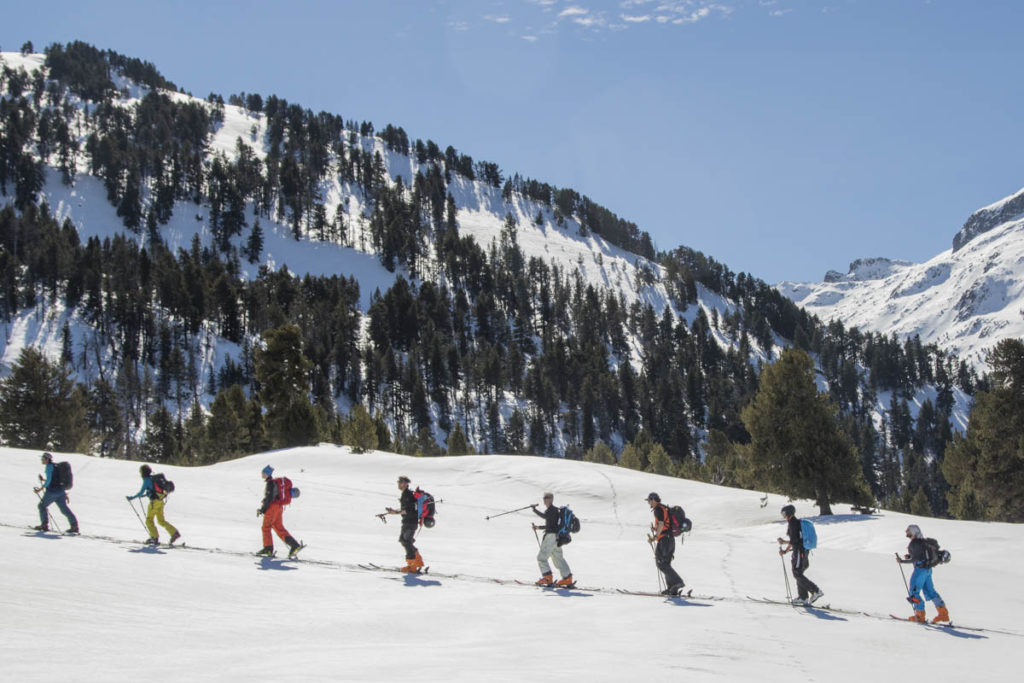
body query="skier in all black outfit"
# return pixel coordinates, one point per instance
(807, 590)
(410, 523)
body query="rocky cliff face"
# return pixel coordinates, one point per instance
(989, 217)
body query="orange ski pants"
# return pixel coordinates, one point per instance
(272, 520)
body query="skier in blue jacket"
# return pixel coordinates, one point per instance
(156, 507)
(54, 494)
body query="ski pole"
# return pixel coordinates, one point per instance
(508, 512)
(383, 517)
(910, 597)
(49, 515)
(132, 505)
(657, 570)
(535, 535)
(789, 591)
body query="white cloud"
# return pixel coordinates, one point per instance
(503, 19)
(629, 19)
(573, 11)
(780, 12)
(530, 39)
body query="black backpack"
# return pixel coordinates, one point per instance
(568, 524)
(678, 522)
(934, 555)
(62, 477)
(162, 485)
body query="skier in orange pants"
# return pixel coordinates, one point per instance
(272, 511)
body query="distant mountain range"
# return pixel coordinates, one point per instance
(965, 299)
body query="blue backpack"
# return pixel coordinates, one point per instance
(568, 524)
(808, 534)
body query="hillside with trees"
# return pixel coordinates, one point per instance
(198, 349)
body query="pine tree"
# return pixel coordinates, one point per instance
(282, 373)
(985, 467)
(41, 405)
(797, 445)
(360, 432)
(457, 443)
(600, 453)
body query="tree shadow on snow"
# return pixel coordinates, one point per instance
(268, 563)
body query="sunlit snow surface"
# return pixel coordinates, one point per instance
(92, 609)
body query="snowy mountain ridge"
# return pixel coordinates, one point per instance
(964, 299)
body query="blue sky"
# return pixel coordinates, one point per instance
(781, 137)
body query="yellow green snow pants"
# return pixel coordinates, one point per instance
(156, 509)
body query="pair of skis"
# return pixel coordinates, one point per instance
(369, 566)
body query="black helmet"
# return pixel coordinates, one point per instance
(654, 496)
(48, 457)
(428, 522)
(145, 470)
(788, 511)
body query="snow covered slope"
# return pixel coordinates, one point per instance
(965, 299)
(101, 607)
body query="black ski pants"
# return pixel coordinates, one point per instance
(804, 586)
(406, 538)
(664, 551)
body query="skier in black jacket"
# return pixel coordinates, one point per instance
(665, 545)
(550, 547)
(410, 523)
(807, 590)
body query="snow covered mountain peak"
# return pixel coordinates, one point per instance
(989, 217)
(965, 299)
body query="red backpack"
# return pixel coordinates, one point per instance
(284, 490)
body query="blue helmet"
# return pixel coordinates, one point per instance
(268, 471)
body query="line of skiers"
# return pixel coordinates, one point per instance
(417, 509)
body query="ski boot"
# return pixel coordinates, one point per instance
(417, 562)
(814, 596)
(564, 582)
(674, 589)
(942, 616)
(918, 616)
(410, 566)
(42, 527)
(293, 547)
(72, 530)
(799, 602)
(174, 538)
(267, 551)
(545, 580)
(152, 540)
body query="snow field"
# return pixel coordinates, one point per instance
(90, 609)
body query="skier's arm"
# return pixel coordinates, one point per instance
(49, 475)
(268, 496)
(147, 485)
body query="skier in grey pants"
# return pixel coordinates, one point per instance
(549, 547)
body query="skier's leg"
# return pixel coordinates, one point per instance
(62, 505)
(559, 559)
(406, 539)
(162, 505)
(664, 553)
(151, 512)
(928, 589)
(268, 522)
(547, 546)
